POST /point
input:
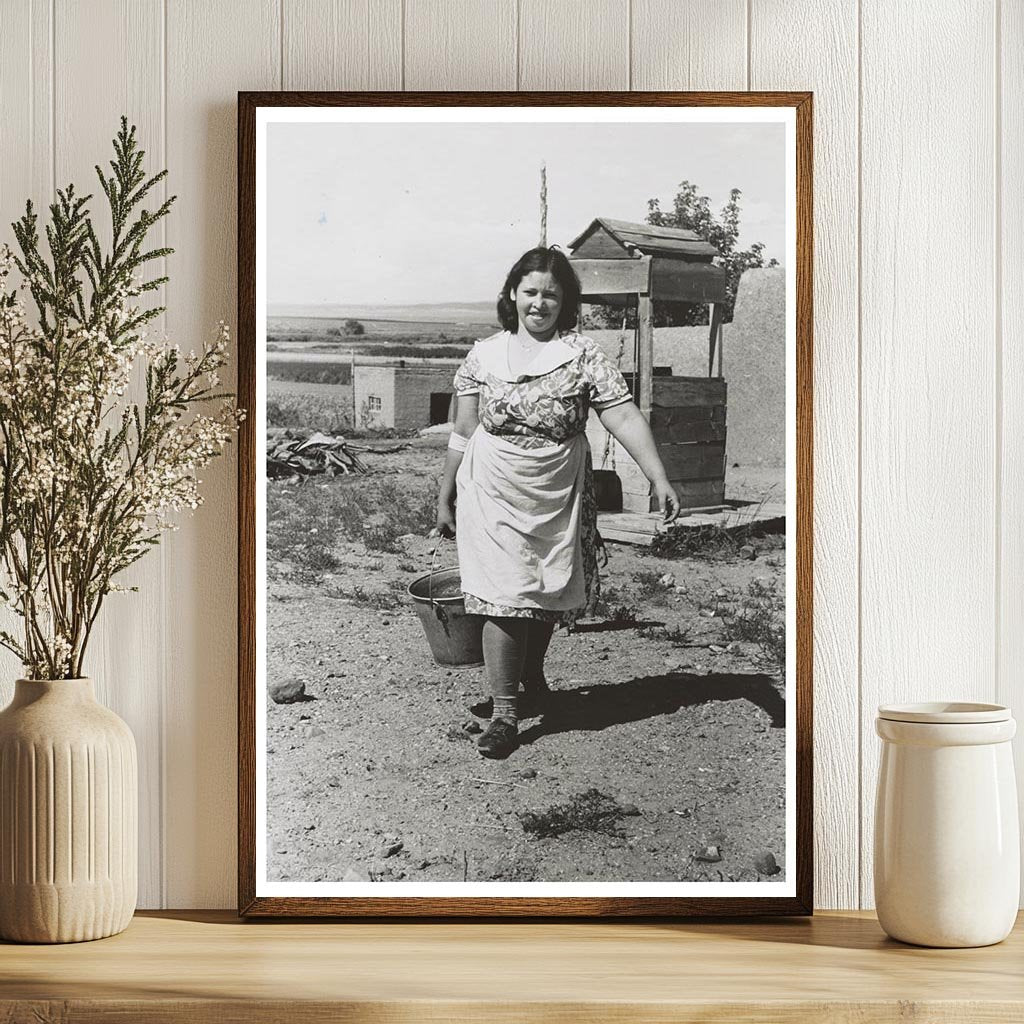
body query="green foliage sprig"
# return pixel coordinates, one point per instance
(88, 477)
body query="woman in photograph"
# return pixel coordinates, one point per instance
(517, 488)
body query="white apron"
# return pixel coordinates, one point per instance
(518, 515)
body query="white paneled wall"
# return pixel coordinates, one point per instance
(919, 326)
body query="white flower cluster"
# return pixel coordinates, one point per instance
(93, 462)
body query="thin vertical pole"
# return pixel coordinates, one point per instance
(543, 206)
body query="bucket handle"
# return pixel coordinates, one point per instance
(438, 608)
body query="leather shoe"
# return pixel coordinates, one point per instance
(499, 739)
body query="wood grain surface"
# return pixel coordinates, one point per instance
(200, 967)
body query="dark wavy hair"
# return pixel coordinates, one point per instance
(548, 261)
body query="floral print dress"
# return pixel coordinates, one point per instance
(548, 405)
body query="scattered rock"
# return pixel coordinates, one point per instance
(708, 854)
(407, 538)
(766, 864)
(472, 727)
(528, 773)
(354, 875)
(287, 691)
(630, 810)
(393, 848)
(748, 552)
(668, 580)
(721, 592)
(336, 673)
(311, 732)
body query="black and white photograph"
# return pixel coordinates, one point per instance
(525, 515)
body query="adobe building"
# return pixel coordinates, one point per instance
(404, 397)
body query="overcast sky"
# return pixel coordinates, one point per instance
(364, 214)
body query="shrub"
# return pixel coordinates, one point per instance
(761, 620)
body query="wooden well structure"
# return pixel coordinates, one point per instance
(620, 263)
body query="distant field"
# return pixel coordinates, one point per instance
(431, 331)
(326, 407)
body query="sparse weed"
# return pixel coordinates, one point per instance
(381, 600)
(614, 606)
(305, 522)
(592, 811)
(678, 636)
(649, 587)
(761, 620)
(301, 527)
(713, 541)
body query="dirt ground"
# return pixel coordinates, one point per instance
(660, 757)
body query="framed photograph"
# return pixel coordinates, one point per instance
(525, 495)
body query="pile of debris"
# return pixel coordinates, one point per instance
(294, 454)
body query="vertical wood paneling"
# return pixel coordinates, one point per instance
(213, 51)
(937, 236)
(90, 96)
(26, 171)
(693, 44)
(342, 44)
(1010, 263)
(927, 372)
(574, 44)
(467, 45)
(781, 59)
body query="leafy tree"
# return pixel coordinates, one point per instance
(693, 211)
(353, 327)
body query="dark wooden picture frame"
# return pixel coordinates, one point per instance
(253, 904)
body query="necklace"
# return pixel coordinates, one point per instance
(526, 349)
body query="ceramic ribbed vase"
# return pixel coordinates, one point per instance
(68, 815)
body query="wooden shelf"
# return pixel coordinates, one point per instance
(202, 967)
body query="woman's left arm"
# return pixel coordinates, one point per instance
(626, 423)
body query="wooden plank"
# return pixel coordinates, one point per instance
(689, 430)
(688, 391)
(783, 56)
(637, 502)
(613, 277)
(694, 461)
(468, 45)
(574, 44)
(342, 44)
(209, 59)
(1009, 263)
(626, 536)
(645, 367)
(126, 656)
(909, 560)
(687, 282)
(26, 172)
(699, 44)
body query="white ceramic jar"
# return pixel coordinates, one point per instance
(947, 847)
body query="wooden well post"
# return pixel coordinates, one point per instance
(621, 262)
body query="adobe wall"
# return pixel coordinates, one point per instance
(413, 388)
(380, 382)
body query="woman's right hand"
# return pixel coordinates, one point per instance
(445, 526)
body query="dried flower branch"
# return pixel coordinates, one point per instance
(89, 478)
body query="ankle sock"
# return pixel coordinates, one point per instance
(507, 708)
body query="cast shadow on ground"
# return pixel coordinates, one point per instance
(593, 708)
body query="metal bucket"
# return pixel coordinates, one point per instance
(455, 638)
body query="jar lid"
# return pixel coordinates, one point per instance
(945, 713)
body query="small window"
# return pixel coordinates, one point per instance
(373, 403)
